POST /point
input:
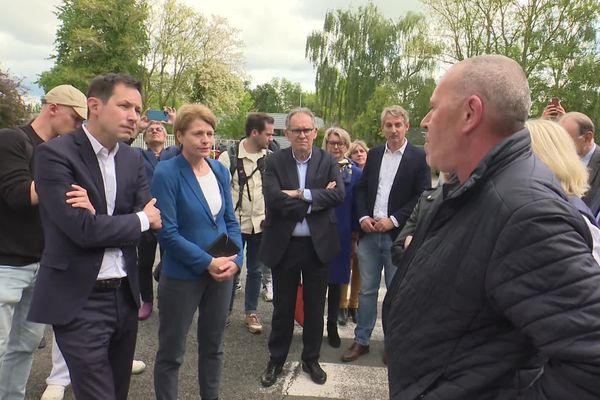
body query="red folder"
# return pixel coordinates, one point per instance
(299, 312)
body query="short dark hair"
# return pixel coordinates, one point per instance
(257, 121)
(102, 86)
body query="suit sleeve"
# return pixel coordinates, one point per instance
(362, 191)
(422, 182)
(326, 198)
(15, 173)
(165, 189)
(543, 279)
(54, 176)
(294, 209)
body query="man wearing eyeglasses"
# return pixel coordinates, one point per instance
(581, 128)
(302, 187)
(155, 137)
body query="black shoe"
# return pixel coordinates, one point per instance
(352, 313)
(270, 375)
(332, 335)
(317, 374)
(343, 316)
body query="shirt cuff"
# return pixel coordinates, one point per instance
(307, 195)
(144, 222)
(361, 219)
(394, 221)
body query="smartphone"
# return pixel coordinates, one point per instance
(157, 115)
(554, 101)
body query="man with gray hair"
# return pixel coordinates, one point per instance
(581, 128)
(393, 178)
(302, 187)
(497, 295)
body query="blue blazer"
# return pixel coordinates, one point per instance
(188, 225)
(150, 160)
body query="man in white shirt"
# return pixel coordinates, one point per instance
(394, 176)
(88, 286)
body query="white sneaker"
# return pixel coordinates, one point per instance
(268, 293)
(137, 367)
(53, 392)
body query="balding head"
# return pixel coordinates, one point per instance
(501, 84)
(581, 128)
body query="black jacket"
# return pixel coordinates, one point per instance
(498, 295)
(21, 235)
(412, 177)
(284, 212)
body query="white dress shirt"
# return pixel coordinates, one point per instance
(210, 188)
(301, 229)
(389, 167)
(113, 264)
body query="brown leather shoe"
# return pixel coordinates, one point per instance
(354, 352)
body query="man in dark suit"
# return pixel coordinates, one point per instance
(88, 285)
(302, 187)
(394, 177)
(581, 128)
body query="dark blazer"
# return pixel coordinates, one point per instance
(150, 160)
(413, 176)
(188, 225)
(284, 212)
(74, 239)
(592, 197)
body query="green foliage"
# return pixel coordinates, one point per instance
(233, 127)
(97, 37)
(357, 52)
(13, 110)
(279, 96)
(555, 41)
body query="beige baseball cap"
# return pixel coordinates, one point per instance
(67, 95)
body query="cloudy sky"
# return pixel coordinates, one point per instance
(274, 33)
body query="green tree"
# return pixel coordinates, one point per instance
(356, 52)
(192, 58)
(234, 126)
(96, 37)
(555, 41)
(279, 95)
(13, 110)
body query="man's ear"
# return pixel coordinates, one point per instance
(472, 113)
(93, 104)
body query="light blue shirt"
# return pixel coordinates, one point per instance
(301, 229)
(586, 159)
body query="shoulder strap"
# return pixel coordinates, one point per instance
(233, 161)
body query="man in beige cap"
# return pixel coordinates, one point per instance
(21, 242)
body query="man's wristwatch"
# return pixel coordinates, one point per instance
(300, 194)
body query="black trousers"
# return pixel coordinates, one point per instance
(98, 345)
(299, 259)
(146, 256)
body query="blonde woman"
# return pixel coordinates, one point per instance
(357, 152)
(553, 145)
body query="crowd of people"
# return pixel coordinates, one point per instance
(492, 276)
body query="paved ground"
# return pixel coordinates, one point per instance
(245, 358)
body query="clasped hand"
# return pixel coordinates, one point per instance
(223, 268)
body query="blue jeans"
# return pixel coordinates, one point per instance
(374, 253)
(19, 338)
(253, 271)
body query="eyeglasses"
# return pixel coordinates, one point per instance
(154, 129)
(336, 144)
(305, 131)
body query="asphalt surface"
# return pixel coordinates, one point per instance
(246, 357)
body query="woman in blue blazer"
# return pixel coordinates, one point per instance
(194, 196)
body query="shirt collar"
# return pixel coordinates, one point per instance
(242, 153)
(400, 150)
(302, 162)
(96, 145)
(586, 159)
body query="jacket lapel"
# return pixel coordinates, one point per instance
(91, 162)
(594, 165)
(190, 179)
(292, 171)
(406, 160)
(313, 167)
(120, 171)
